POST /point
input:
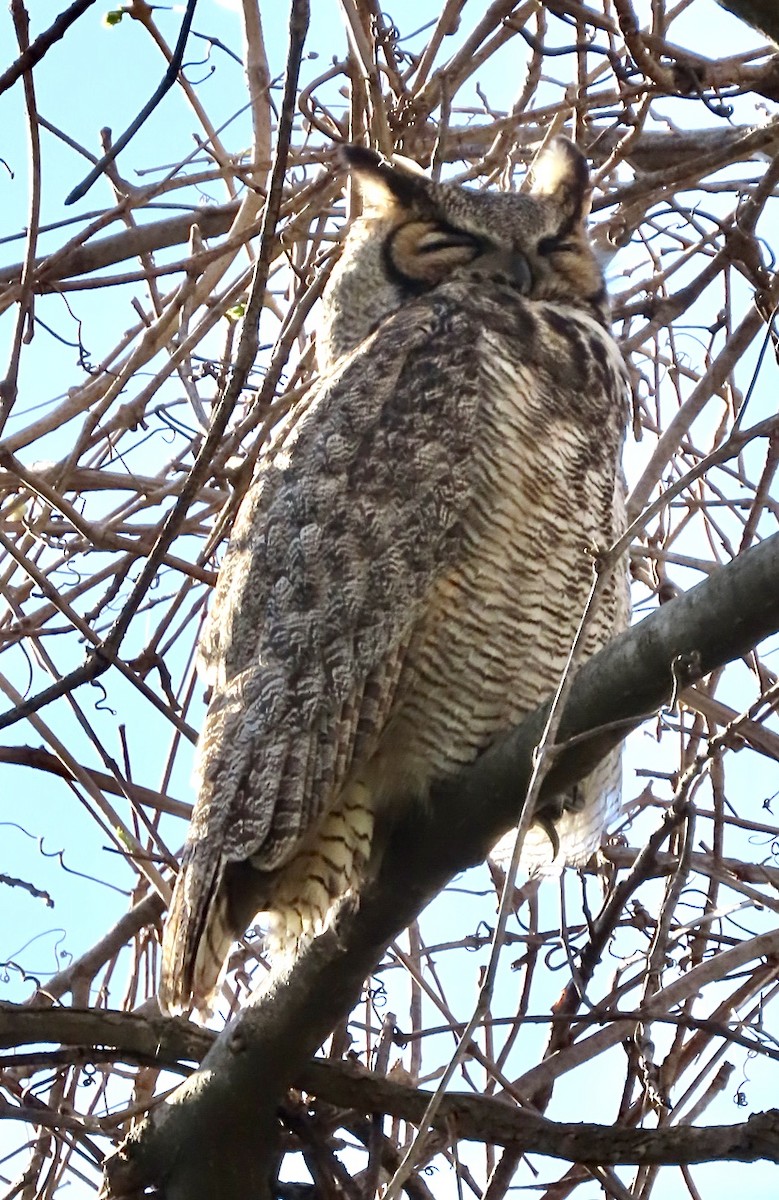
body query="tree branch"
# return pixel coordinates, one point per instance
(348, 1085)
(651, 151)
(762, 15)
(43, 43)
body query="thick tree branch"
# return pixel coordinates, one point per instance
(219, 1128)
(348, 1086)
(98, 253)
(483, 1118)
(762, 15)
(171, 1042)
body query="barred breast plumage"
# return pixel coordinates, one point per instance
(407, 572)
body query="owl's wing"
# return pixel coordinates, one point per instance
(333, 553)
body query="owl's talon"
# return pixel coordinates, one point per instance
(550, 829)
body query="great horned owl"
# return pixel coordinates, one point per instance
(408, 568)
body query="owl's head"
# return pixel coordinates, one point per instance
(416, 234)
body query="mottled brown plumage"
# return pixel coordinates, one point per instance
(408, 569)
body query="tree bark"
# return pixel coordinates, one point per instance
(762, 15)
(349, 1086)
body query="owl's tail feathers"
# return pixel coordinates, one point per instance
(213, 903)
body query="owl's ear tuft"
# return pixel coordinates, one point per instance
(560, 172)
(359, 158)
(381, 184)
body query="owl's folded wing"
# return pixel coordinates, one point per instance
(340, 538)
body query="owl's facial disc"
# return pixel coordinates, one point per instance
(426, 252)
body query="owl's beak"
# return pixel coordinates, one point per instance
(509, 265)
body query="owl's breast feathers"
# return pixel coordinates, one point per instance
(403, 582)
